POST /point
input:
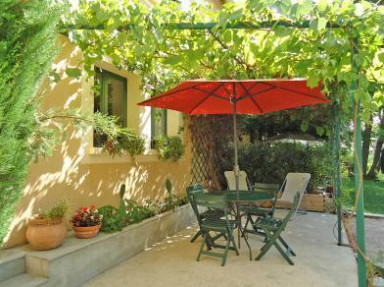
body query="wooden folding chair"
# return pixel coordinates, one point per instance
(223, 226)
(272, 228)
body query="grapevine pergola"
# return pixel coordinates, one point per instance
(354, 88)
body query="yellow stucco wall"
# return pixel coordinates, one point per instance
(78, 173)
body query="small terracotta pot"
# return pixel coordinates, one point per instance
(84, 232)
(45, 234)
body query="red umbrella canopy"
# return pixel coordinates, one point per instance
(251, 96)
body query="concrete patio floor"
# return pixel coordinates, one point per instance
(172, 262)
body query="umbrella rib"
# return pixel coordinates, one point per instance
(296, 92)
(248, 95)
(225, 89)
(170, 93)
(260, 92)
(211, 94)
(205, 98)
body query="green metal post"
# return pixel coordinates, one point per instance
(338, 177)
(362, 269)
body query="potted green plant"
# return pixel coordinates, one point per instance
(86, 222)
(170, 148)
(46, 229)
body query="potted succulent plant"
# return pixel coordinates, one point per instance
(86, 222)
(46, 230)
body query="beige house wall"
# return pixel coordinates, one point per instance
(82, 175)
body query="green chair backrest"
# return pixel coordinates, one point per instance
(192, 190)
(289, 215)
(270, 187)
(211, 201)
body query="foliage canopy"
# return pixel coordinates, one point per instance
(306, 39)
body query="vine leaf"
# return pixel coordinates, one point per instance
(313, 81)
(73, 72)
(304, 126)
(319, 130)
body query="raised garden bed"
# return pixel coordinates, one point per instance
(78, 260)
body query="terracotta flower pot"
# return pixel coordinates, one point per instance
(83, 232)
(45, 234)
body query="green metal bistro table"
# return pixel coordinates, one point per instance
(241, 198)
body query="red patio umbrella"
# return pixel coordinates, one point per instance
(237, 97)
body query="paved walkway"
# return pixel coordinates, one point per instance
(172, 262)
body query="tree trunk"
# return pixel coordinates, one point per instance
(379, 145)
(376, 159)
(366, 143)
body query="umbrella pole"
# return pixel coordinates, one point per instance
(236, 168)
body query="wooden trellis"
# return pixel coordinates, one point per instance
(207, 133)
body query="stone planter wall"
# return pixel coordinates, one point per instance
(79, 260)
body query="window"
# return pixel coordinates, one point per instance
(159, 124)
(110, 99)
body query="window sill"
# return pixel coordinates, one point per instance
(108, 159)
(99, 157)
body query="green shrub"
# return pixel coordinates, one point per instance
(182, 200)
(130, 212)
(28, 38)
(270, 162)
(126, 140)
(114, 219)
(137, 213)
(170, 201)
(170, 147)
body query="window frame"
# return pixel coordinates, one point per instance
(104, 104)
(165, 128)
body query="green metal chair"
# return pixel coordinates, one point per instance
(223, 226)
(272, 228)
(252, 210)
(199, 189)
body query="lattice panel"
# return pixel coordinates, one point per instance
(208, 133)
